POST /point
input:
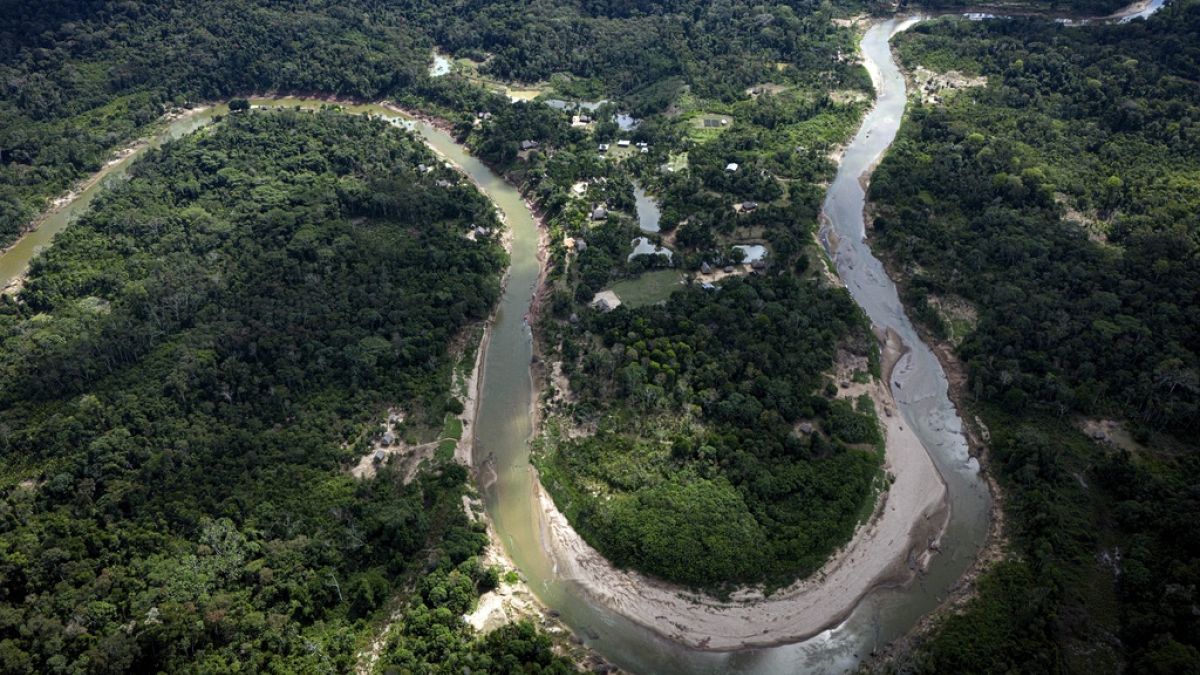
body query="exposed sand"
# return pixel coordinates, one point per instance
(887, 550)
(84, 184)
(465, 452)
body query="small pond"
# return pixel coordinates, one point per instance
(754, 252)
(647, 210)
(643, 246)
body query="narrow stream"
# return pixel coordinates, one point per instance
(504, 425)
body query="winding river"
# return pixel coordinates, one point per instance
(504, 424)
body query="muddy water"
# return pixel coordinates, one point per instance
(503, 428)
(15, 260)
(504, 423)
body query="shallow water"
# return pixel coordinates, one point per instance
(754, 252)
(647, 210)
(643, 246)
(626, 122)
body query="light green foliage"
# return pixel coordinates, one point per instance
(648, 288)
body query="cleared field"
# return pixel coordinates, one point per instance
(649, 288)
(707, 126)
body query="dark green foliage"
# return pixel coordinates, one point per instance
(1007, 631)
(738, 495)
(986, 195)
(1064, 322)
(81, 77)
(641, 49)
(188, 372)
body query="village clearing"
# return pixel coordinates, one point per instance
(649, 288)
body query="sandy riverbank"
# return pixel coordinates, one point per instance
(887, 550)
(14, 285)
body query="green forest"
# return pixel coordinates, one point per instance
(187, 375)
(699, 472)
(693, 466)
(182, 383)
(1061, 202)
(80, 79)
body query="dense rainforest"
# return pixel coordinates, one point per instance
(183, 381)
(173, 438)
(720, 457)
(78, 79)
(697, 435)
(1048, 223)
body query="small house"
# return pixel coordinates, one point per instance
(707, 286)
(759, 264)
(389, 438)
(379, 456)
(749, 206)
(705, 268)
(623, 143)
(580, 245)
(599, 213)
(731, 167)
(645, 150)
(529, 145)
(604, 147)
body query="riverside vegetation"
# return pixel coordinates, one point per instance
(1061, 202)
(700, 439)
(184, 379)
(669, 430)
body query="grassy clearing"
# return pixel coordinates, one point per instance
(445, 450)
(517, 92)
(707, 126)
(617, 154)
(453, 429)
(649, 288)
(677, 162)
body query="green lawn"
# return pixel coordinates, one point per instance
(649, 288)
(445, 450)
(453, 428)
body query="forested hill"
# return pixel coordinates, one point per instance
(187, 374)
(1048, 224)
